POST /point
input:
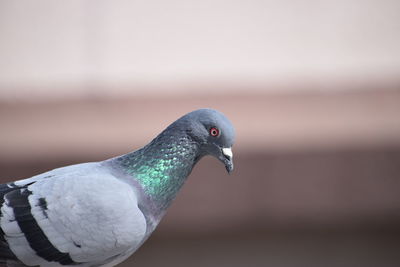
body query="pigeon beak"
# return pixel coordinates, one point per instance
(227, 159)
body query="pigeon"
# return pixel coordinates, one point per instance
(100, 213)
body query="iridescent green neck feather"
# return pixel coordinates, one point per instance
(162, 166)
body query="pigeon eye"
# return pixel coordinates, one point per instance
(214, 131)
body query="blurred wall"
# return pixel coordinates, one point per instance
(312, 88)
(87, 47)
(316, 180)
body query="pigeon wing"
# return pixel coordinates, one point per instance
(76, 215)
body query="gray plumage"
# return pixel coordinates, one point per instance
(99, 213)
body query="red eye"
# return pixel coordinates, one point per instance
(214, 131)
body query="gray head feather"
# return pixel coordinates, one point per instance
(199, 125)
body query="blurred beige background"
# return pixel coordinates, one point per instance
(312, 87)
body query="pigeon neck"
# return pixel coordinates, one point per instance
(162, 166)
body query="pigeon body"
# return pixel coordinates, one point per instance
(99, 213)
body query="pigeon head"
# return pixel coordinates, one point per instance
(212, 131)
